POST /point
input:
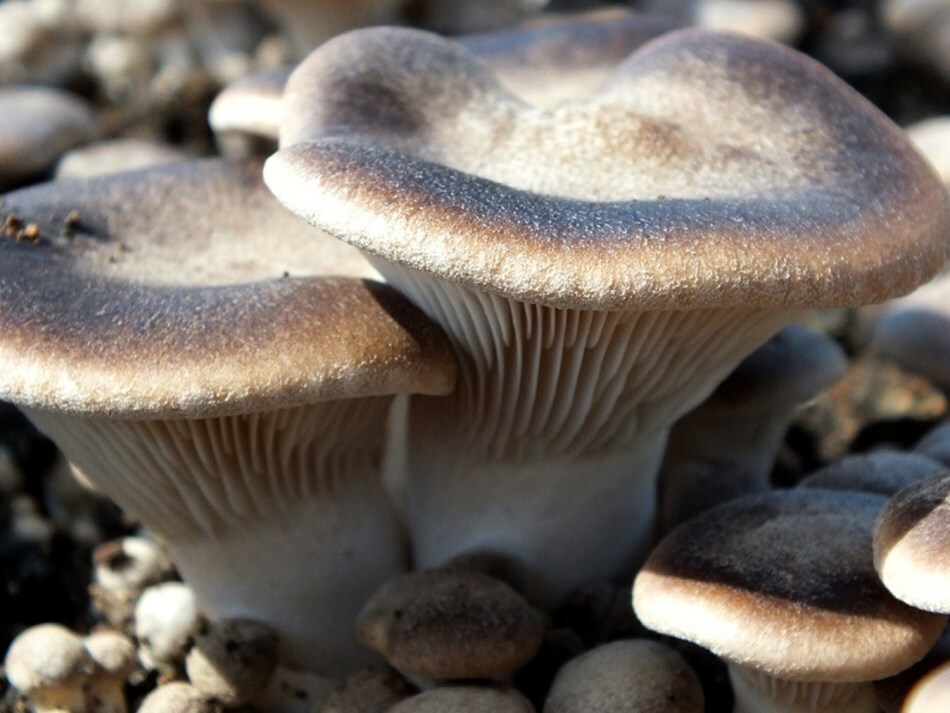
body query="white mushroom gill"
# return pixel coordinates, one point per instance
(242, 496)
(554, 434)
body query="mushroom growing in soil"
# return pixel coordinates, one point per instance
(599, 266)
(155, 328)
(782, 586)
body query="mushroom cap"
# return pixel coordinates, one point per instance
(657, 191)
(180, 306)
(39, 124)
(251, 104)
(914, 331)
(46, 656)
(912, 544)
(465, 699)
(630, 676)
(451, 624)
(115, 156)
(368, 691)
(786, 370)
(931, 693)
(176, 697)
(881, 472)
(232, 660)
(936, 443)
(784, 582)
(555, 57)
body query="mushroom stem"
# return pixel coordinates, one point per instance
(549, 448)
(202, 486)
(759, 692)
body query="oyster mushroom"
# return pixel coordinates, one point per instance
(237, 411)
(599, 266)
(782, 586)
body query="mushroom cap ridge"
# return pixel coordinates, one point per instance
(82, 333)
(805, 195)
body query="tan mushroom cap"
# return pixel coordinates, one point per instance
(711, 170)
(630, 676)
(912, 544)
(451, 624)
(784, 582)
(164, 293)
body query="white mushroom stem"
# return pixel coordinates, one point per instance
(759, 692)
(278, 517)
(548, 451)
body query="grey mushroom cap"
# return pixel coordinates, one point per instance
(912, 544)
(465, 699)
(451, 624)
(914, 331)
(628, 676)
(167, 309)
(881, 472)
(791, 367)
(39, 124)
(252, 104)
(784, 582)
(665, 196)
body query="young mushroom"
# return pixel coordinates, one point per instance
(782, 586)
(599, 266)
(628, 676)
(49, 664)
(237, 411)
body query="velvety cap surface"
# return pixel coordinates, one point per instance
(912, 544)
(784, 582)
(710, 170)
(186, 290)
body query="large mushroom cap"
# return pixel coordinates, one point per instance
(174, 292)
(711, 170)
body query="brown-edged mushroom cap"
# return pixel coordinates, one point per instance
(912, 544)
(655, 192)
(782, 585)
(167, 309)
(156, 328)
(599, 265)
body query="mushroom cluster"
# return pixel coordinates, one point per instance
(482, 332)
